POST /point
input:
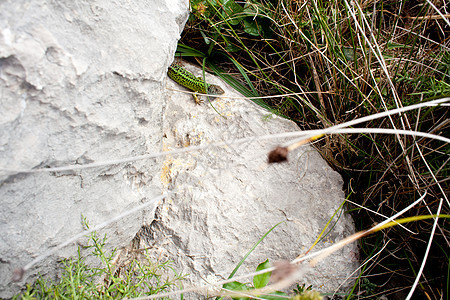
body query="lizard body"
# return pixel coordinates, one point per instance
(196, 84)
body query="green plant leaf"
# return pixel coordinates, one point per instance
(251, 27)
(250, 10)
(348, 53)
(236, 286)
(205, 37)
(231, 8)
(274, 296)
(261, 280)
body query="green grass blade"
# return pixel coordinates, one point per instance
(244, 74)
(245, 91)
(183, 50)
(251, 250)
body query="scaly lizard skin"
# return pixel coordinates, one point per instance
(196, 84)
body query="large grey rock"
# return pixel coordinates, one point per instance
(84, 82)
(225, 198)
(79, 82)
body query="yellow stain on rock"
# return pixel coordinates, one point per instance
(165, 173)
(172, 167)
(224, 108)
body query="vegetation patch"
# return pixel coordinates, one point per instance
(114, 279)
(325, 63)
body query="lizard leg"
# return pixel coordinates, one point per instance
(198, 101)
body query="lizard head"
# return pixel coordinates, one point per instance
(215, 90)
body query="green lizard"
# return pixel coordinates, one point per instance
(196, 84)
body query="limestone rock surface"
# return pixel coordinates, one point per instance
(226, 197)
(80, 82)
(84, 82)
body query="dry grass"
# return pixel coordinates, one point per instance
(346, 60)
